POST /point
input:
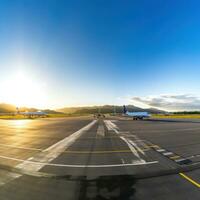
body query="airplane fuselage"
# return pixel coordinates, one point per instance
(137, 115)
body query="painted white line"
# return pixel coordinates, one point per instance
(134, 151)
(137, 147)
(160, 150)
(19, 147)
(138, 142)
(7, 177)
(43, 158)
(31, 158)
(77, 166)
(54, 151)
(125, 133)
(114, 120)
(167, 153)
(100, 131)
(111, 126)
(193, 156)
(132, 145)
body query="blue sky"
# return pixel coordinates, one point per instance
(100, 52)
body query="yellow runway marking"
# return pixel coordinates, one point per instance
(98, 152)
(76, 152)
(190, 180)
(174, 157)
(83, 152)
(154, 146)
(101, 152)
(105, 137)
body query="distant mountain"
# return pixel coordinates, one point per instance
(8, 108)
(48, 111)
(106, 109)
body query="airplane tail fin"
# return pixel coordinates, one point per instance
(124, 109)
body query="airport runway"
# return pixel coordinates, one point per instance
(106, 158)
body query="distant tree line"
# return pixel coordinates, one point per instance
(187, 112)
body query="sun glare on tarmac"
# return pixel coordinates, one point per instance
(20, 124)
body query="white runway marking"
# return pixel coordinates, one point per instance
(193, 156)
(54, 151)
(20, 147)
(111, 126)
(100, 131)
(137, 147)
(167, 153)
(134, 151)
(78, 166)
(141, 143)
(131, 144)
(160, 150)
(41, 159)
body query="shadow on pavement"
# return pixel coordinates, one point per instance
(108, 188)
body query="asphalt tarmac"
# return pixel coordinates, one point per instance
(104, 158)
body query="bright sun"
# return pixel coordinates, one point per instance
(21, 90)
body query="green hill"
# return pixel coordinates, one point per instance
(106, 109)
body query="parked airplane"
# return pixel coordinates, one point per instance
(32, 114)
(135, 115)
(35, 114)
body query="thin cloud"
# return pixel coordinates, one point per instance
(170, 102)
